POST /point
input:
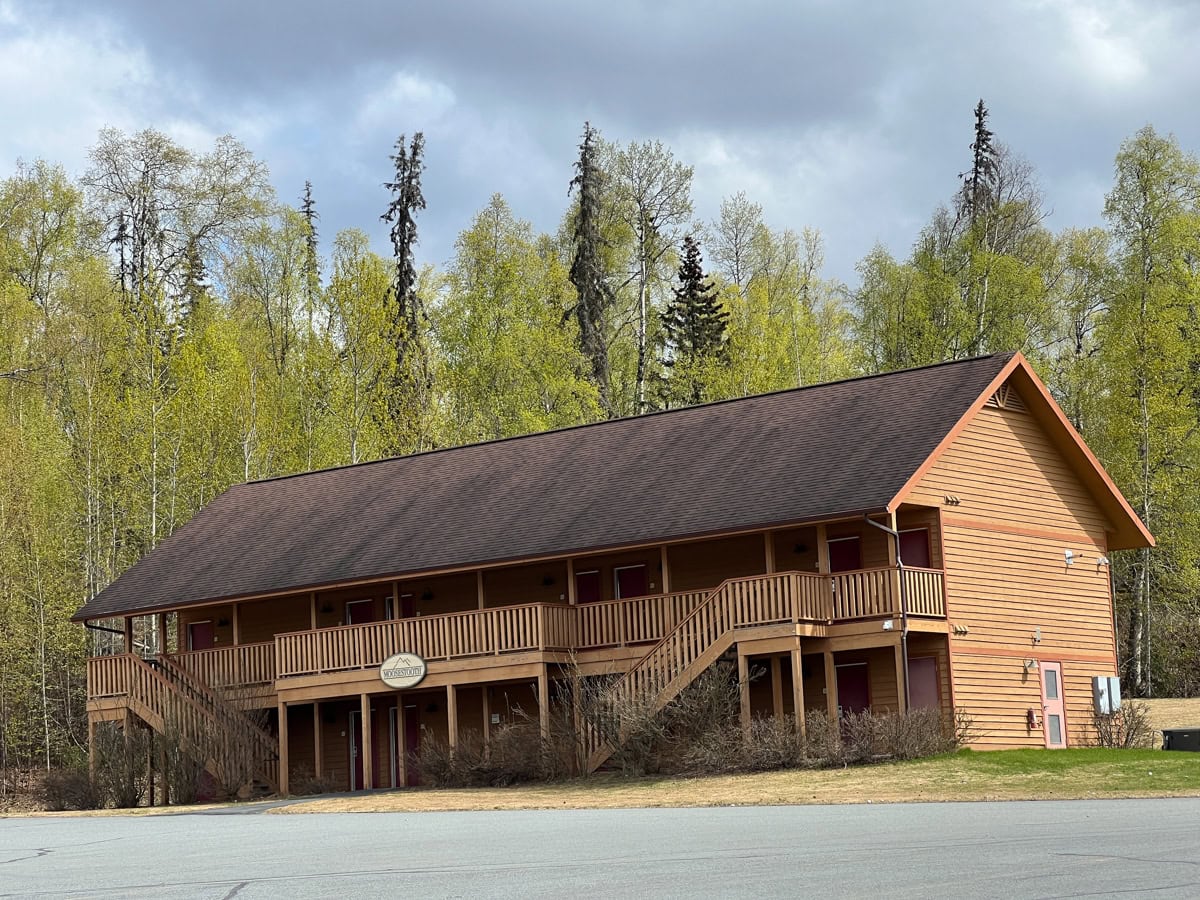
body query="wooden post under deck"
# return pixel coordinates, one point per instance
(544, 703)
(777, 687)
(900, 698)
(831, 697)
(283, 749)
(744, 689)
(318, 748)
(367, 744)
(452, 715)
(798, 690)
(92, 746)
(400, 741)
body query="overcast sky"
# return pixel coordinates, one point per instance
(851, 118)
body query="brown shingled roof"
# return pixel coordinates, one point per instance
(817, 452)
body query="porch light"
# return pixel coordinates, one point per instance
(1031, 665)
(1069, 557)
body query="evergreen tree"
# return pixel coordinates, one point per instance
(595, 297)
(979, 191)
(693, 330)
(401, 213)
(312, 264)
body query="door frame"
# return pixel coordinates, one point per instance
(599, 584)
(841, 540)
(350, 603)
(1061, 702)
(928, 543)
(937, 674)
(617, 570)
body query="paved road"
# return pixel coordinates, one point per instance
(1049, 849)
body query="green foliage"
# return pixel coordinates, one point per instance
(694, 325)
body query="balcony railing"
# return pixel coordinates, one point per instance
(243, 665)
(795, 596)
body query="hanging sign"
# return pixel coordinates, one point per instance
(403, 670)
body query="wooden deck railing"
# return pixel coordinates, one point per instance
(643, 620)
(242, 665)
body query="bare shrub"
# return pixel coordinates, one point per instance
(305, 783)
(181, 770)
(71, 788)
(516, 753)
(823, 746)
(122, 765)
(1127, 727)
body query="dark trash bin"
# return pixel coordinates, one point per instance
(1181, 739)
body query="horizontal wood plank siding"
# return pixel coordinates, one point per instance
(1020, 505)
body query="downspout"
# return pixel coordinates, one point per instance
(90, 627)
(903, 604)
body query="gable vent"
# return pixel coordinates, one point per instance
(1006, 398)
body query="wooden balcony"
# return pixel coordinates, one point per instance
(794, 596)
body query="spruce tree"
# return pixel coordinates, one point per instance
(981, 180)
(401, 213)
(312, 265)
(587, 266)
(693, 330)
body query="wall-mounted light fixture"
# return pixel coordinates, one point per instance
(547, 580)
(801, 548)
(1102, 561)
(326, 609)
(1069, 556)
(1031, 665)
(222, 623)
(1037, 635)
(428, 595)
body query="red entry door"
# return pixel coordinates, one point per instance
(630, 581)
(408, 606)
(587, 586)
(201, 636)
(412, 741)
(853, 690)
(845, 554)
(1054, 720)
(360, 612)
(914, 548)
(923, 683)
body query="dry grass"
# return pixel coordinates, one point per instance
(1171, 713)
(998, 775)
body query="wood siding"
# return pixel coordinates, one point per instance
(1016, 507)
(705, 564)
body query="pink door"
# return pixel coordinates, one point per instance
(630, 581)
(845, 554)
(923, 683)
(914, 548)
(853, 689)
(1054, 720)
(201, 636)
(587, 586)
(360, 612)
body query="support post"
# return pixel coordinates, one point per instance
(312, 610)
(318, 748)
(901, 692)
(572, 598)
(452, 715)
(544, 703)
(401, 741)
(666, 569)
(769, 551)
(744, 689)
(777, 686)
(128, 634)
(92, 747)
(479, 587)
(831, 697)
(284, 762)
(162, 633)
(396, 611)
(822, 551)
(237, 627)
(798, 690)
(367, 745)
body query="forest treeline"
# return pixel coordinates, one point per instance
(169, 326)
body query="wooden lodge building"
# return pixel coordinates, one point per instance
(932, 537)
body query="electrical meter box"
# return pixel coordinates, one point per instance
(1106, 692)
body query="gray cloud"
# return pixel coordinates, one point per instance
(854, 119)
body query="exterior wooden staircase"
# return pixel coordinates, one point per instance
(176, 703)
(702, 638)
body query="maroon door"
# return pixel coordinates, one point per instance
(408, 606)
(360, 612)
(853, 691)
(630, 582)
(412, 741)
(845, 555)
(914, 548)
(201, 636)
(923, 683)
(587, 586)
